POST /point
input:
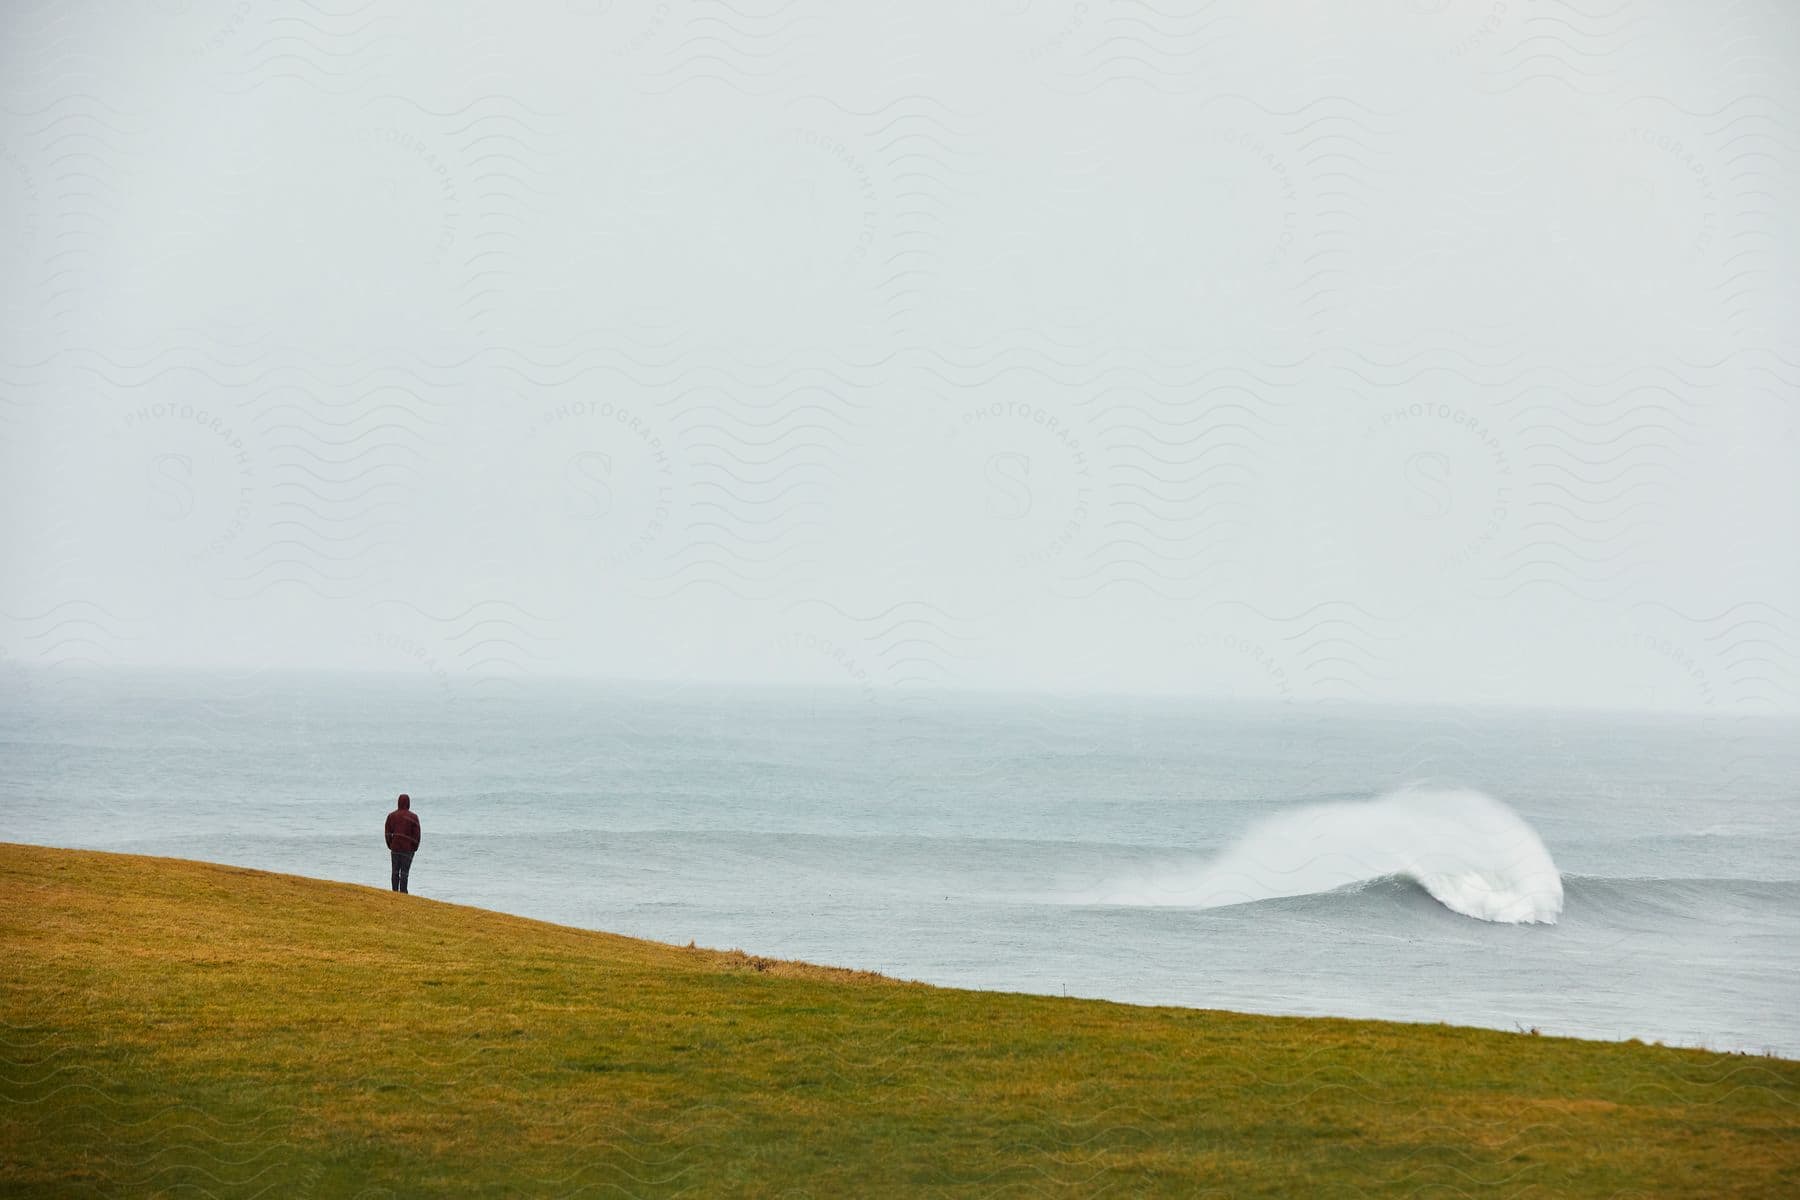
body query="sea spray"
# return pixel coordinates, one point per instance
(1472, 853)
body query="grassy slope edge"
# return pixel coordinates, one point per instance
(173, 1026)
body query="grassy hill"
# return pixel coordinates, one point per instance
(178, 1027)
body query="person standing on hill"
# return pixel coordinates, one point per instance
(403, 836)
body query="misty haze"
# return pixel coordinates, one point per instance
(1234, 507)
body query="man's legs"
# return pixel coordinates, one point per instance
(402, 865)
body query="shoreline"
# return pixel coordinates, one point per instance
(176, 1024)
(791, 967)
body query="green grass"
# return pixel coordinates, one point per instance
(188, 1029)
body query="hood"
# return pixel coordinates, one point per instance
(405, 801)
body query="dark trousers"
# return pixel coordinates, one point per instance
(402, 864)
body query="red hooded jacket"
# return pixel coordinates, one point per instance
(403, 827)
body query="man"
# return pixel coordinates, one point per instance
(402, 839)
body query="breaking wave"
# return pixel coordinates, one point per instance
(1472, 853)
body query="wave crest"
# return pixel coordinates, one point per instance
(1472, 853)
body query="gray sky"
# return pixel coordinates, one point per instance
(1426, 350)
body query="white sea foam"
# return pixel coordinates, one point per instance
(1473, 854)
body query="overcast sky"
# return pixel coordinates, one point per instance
(1415, 350)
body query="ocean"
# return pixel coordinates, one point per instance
(1592, 874)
